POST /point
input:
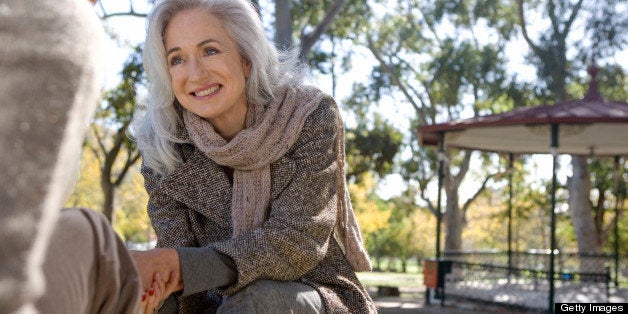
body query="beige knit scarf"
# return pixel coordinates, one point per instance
(270, 132)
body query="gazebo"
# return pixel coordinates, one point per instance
(587, 126)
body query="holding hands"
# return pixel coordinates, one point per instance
(155, 265)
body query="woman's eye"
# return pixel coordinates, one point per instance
(210, 51)
(175, 60)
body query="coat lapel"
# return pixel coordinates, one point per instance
(202, 185)
(281, 174)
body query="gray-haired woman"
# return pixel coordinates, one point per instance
(244, 166)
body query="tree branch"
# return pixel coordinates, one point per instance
(477, 193)
(464, 168)
(117, 145)
(552, 15)
(99, 141)
(308, 40)
(573, 16)
(130, 13)
(418, 95)
(431, 27)
(430, 205)
(524, 29)
(108, 15)
(130, 161)
(396, 80)
(96, 153)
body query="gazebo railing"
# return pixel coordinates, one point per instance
(522, 279)
(565, 262)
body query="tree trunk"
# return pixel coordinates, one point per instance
(109, 191)
(283, 24)
(454, 220)
(579, 186)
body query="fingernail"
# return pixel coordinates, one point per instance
(151, 292)
(143, 297)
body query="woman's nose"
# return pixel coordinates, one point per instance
(196, 70)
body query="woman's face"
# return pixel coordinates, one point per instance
(207, 72)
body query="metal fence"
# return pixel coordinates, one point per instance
(520, 279)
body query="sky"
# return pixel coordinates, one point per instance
(131, 31)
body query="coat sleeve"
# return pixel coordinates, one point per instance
(296, 235)
(168, 216)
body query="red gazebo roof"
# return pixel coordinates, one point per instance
(590, 125)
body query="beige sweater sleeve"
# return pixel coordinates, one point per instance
(49, 63)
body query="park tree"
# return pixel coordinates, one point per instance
(373, 143)
(372, 215)
(108, 139)
(440, 73)
(410, 228)
(87, 192)
(131, 221)
(572, 35)
(131, 218)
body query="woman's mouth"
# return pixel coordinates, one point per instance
(206, 92)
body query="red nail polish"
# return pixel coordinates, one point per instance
(143, 297)
(151, 292)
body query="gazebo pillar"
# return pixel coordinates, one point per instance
(618, 198)
(554, 151)
(510, 171)
(441, 174)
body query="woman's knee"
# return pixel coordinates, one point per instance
(262, 296)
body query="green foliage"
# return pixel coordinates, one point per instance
(108, 139)
(86, 192)
(371, 148)
(371, 212)
(118, 105)
(131, 223)
(561, 50)
(394, 228)
(606, 25)
(308, 14)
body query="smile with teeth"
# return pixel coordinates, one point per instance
(207, 91)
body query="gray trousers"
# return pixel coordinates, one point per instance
(87, 268)
(268, 296)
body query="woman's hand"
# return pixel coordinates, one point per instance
(165, 262)
(159, 291)
(152, 297)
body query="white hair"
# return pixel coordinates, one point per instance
(155, 124)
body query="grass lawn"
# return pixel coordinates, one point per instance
(401, 280)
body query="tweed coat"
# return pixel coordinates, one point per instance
(191, 207)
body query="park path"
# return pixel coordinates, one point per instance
(412, 300)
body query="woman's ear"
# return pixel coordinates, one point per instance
(246, 67)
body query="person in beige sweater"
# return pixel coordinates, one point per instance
(244, 167)
(49, 59)
(51, 260)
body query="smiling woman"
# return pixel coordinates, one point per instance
(244, 167)
(208, 73)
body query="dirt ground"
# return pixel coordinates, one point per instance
(412, 300)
